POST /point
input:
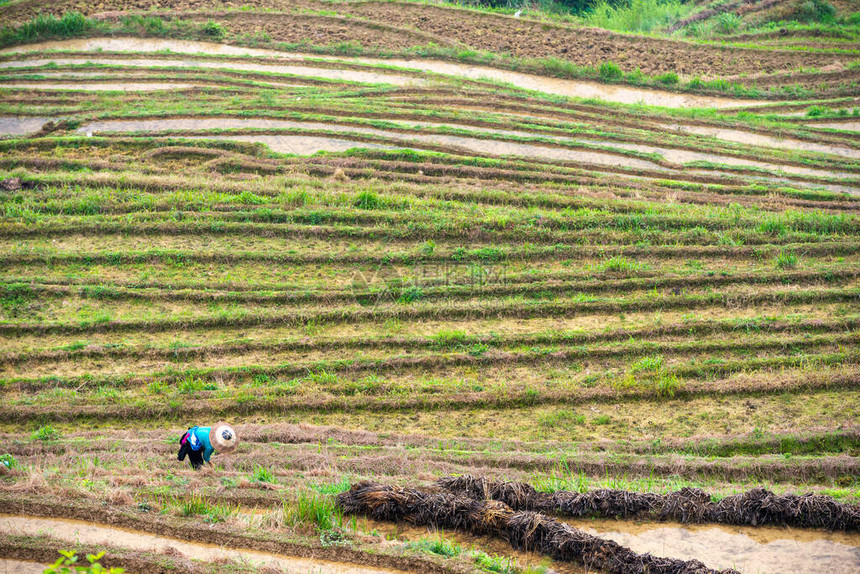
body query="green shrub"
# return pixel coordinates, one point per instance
(8, 460)
(609, 71)
(815, 11)
(636, 15)
(68, 564)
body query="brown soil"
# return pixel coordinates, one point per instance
(585, 46)
(400, 26)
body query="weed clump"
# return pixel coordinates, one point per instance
(46, 433)
(609, 71)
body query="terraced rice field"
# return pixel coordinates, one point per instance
(381, 260)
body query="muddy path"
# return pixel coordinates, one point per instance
(95, 534)
(555, 86)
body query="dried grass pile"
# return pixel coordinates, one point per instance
(756, 507)
(523, 530)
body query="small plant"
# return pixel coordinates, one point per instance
(411, 294)
(367, 200)
(46, 433)
(191, 385)
(667, 79)
(439, 546)
(195, 504)
(728, 23)
(213, 29)
(261, 474)
(449, 339)
(647, 364)
(427, 248)
(8, 460)
(665, 385)
(562, 419)
(816, 11)
(494, 563)
(609, 71)
(313, 509)
(786, 260)
(67, 563)
(618, 264)
(816, 111)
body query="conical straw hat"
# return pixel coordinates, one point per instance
(223, 437)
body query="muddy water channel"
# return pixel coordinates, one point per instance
(476, 145)
(571, 88)
(102, 86)
(289, 144)
(368, 77)
(750, 138)
(752, 550)
(20, 125)
(97, 534)
(845, 126)
(20, 567)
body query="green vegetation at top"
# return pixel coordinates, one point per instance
(636, 15)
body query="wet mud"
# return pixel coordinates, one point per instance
(751, 138)
(747, 549)
(844, 126)
(20, 567)
(91, 533)
(556, 86)
(360, 76)
(21, 125)
(101, 86)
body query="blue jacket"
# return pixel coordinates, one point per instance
(202, 434)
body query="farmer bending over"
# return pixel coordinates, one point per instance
(198, 443)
